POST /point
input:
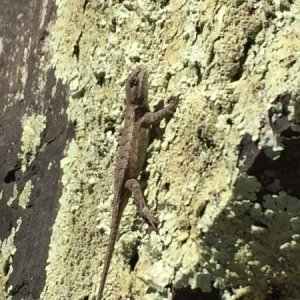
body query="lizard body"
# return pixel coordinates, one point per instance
(131, 156)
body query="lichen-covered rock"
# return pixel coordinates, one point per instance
(221, 175)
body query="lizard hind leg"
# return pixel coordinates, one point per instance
(135, 188)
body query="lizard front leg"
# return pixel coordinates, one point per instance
(135, 188)
(154, 117)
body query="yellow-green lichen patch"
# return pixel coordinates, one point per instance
(14, 195)
(263, 251)
(33, 126)
(24, 197)
(7, 251)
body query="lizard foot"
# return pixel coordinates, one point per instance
(149, 218)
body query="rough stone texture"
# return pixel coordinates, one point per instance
(222, 175)
(224, 233)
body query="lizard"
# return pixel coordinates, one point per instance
(131, 155)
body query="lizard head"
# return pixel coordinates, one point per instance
(137, 86)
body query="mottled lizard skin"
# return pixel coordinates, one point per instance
(131, 156)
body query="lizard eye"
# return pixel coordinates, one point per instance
(133, 82)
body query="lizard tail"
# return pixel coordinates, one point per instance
(109, 253)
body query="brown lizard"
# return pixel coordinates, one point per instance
(131, 156)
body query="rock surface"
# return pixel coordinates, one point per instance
(222, 175)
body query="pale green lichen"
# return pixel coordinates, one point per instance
(24, 197)
(256, 248)
(7, 251)
(14, 195)
(33, 126)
